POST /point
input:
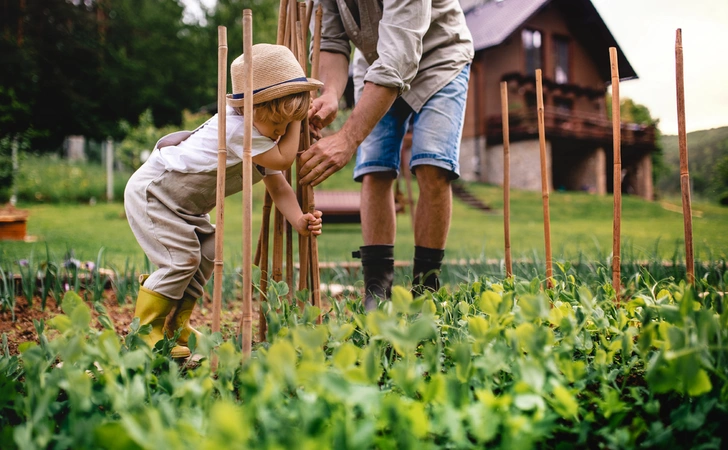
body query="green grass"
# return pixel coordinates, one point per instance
(581, 227)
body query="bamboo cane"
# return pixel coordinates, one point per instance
(282, 10)
(684, 172)
(289, 247)
(616, 176)
(263, 264)
(506, 179)
(222, 51)
(261, 254)
(315, 275)
(309, 13)
(247, 320)
(544, 177)
(304, 245)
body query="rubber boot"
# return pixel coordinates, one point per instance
(378, 266)
(426, 270)
(152, 308)
(180, 318)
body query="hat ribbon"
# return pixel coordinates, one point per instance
(294, 80)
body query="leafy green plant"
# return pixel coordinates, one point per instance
(7, 292)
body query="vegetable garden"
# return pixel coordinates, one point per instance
(495, 361)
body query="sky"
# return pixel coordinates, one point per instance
(645, 31)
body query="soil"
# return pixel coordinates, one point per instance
(22, 329)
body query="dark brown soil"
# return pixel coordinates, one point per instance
(22, 328)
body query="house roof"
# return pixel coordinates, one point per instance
(492, 22)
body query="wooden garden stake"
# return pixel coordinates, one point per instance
(506, 179)
(262, 262)
(247, 321)
(315, 274)
(544, 177)
(684, 172)
(261, 254)
(222, 52)
(616, 176)
(282, 9)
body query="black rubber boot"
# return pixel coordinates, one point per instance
(377, 263)
(426, 271)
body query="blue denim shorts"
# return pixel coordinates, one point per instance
(436, 133)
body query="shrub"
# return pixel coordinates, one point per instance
(50, 179)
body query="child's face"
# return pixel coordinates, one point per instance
(273, 130)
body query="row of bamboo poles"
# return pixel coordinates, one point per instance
(617, 173)
(293, 24)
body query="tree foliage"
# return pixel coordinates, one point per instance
(83, 67)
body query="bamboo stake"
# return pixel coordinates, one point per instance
(304, 245)
(247, 321)
(263, 264)
(684, 172)
(289, 246)
(506, 178)
(282, 10)
(544, 178)
(309, 12)
(222, 52)
(261, 254)
(315, 275)
(616, 176)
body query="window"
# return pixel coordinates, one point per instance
(532, 49)
(561, 60)
(563, 105)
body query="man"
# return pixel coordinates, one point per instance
(418, 54)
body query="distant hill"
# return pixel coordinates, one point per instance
(706, 150)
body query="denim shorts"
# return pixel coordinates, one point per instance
(436, 133)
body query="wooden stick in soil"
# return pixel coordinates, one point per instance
(264, 243)
(222, 52)
(506, 179)
(309, 13)
(616, 177)
(261, 254)
(544, 178)
(315, 274)
(282, 10)
(684, 172)
(303, 241)
(246, 323)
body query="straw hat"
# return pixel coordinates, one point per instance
(276, 73)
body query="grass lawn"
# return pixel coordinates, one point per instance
(581, 225)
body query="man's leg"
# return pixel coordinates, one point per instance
(436, 135)
(432, 223)
(378, 221)
(378, 225)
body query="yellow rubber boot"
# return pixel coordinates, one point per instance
(180, 318)
(153, 308)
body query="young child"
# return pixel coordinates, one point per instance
(168, 199)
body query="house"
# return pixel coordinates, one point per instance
(569, 42)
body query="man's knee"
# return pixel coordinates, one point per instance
(432, 178)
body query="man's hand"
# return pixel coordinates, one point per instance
(322, 112)
(325, 157)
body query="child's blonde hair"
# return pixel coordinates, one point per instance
(291, 108)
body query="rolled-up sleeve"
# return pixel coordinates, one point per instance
(333, 33)
(401, 30)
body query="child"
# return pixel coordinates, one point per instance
(168, 199)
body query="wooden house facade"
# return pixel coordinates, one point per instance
(569, 42)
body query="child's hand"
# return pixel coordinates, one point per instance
(309, 224)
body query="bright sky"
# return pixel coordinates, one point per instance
(645, 31)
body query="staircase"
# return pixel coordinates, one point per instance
(461, 192)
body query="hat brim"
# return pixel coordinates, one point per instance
(278, 91)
